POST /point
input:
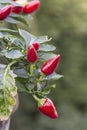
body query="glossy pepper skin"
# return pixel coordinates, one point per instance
(48, 109)
(31, 6)
(32, 54)
(17, 9)
(49, 67)
(36, 45)
(5, 11)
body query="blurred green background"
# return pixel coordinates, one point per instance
(66, 22)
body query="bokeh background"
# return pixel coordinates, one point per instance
(66, 22)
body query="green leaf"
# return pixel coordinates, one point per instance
(15, 41)
(1, 35)
(11, 20)
(29, 86)
(21, 73)
(9, 2)
(28, 17)
(19, 18)
(29, 38)
(3, 60)
(45, 47)
(47, 89)
(14, 54)
(42, 39)
(45, 56)
(7, 30)
(20, 86)
(8, 91)
(53, 76)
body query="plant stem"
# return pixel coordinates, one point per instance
(39, 101)
(31, 69)
(36, 98)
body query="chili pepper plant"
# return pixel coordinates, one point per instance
(27, 62)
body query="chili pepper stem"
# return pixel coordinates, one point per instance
(31, 69)
(36, 98)
(40, 101)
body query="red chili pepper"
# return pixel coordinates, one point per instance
(36, 45)
(48, 108)
(50, 66)
(5, 11)
(31, 6)
(17, 9)
(32, 54)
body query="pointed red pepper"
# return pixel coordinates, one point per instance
(50, 66)
(31, 6)
(32, 54)
(5, 11)
(36, 45)
(48, 108)
(17, 9)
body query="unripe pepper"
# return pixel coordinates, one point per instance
(49, 67)
(32, 54)
(5, 11)
(31, 6)
(48, 108)
(36, 45)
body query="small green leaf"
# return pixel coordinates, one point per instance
(11, 20)
(45, 47)
(3, 60)
(53, 76)
(42, 39)
(29, 38)
(47, 89)
(21, 73)
(14, 15)
(16, 41)
(45, 56)
(20, 18)
(20, 86)
(14, 54)
(28, 17)
(7, 30)
(29, 86)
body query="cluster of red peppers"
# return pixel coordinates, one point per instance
(26, 8)
(45, 106)
(48, 67)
